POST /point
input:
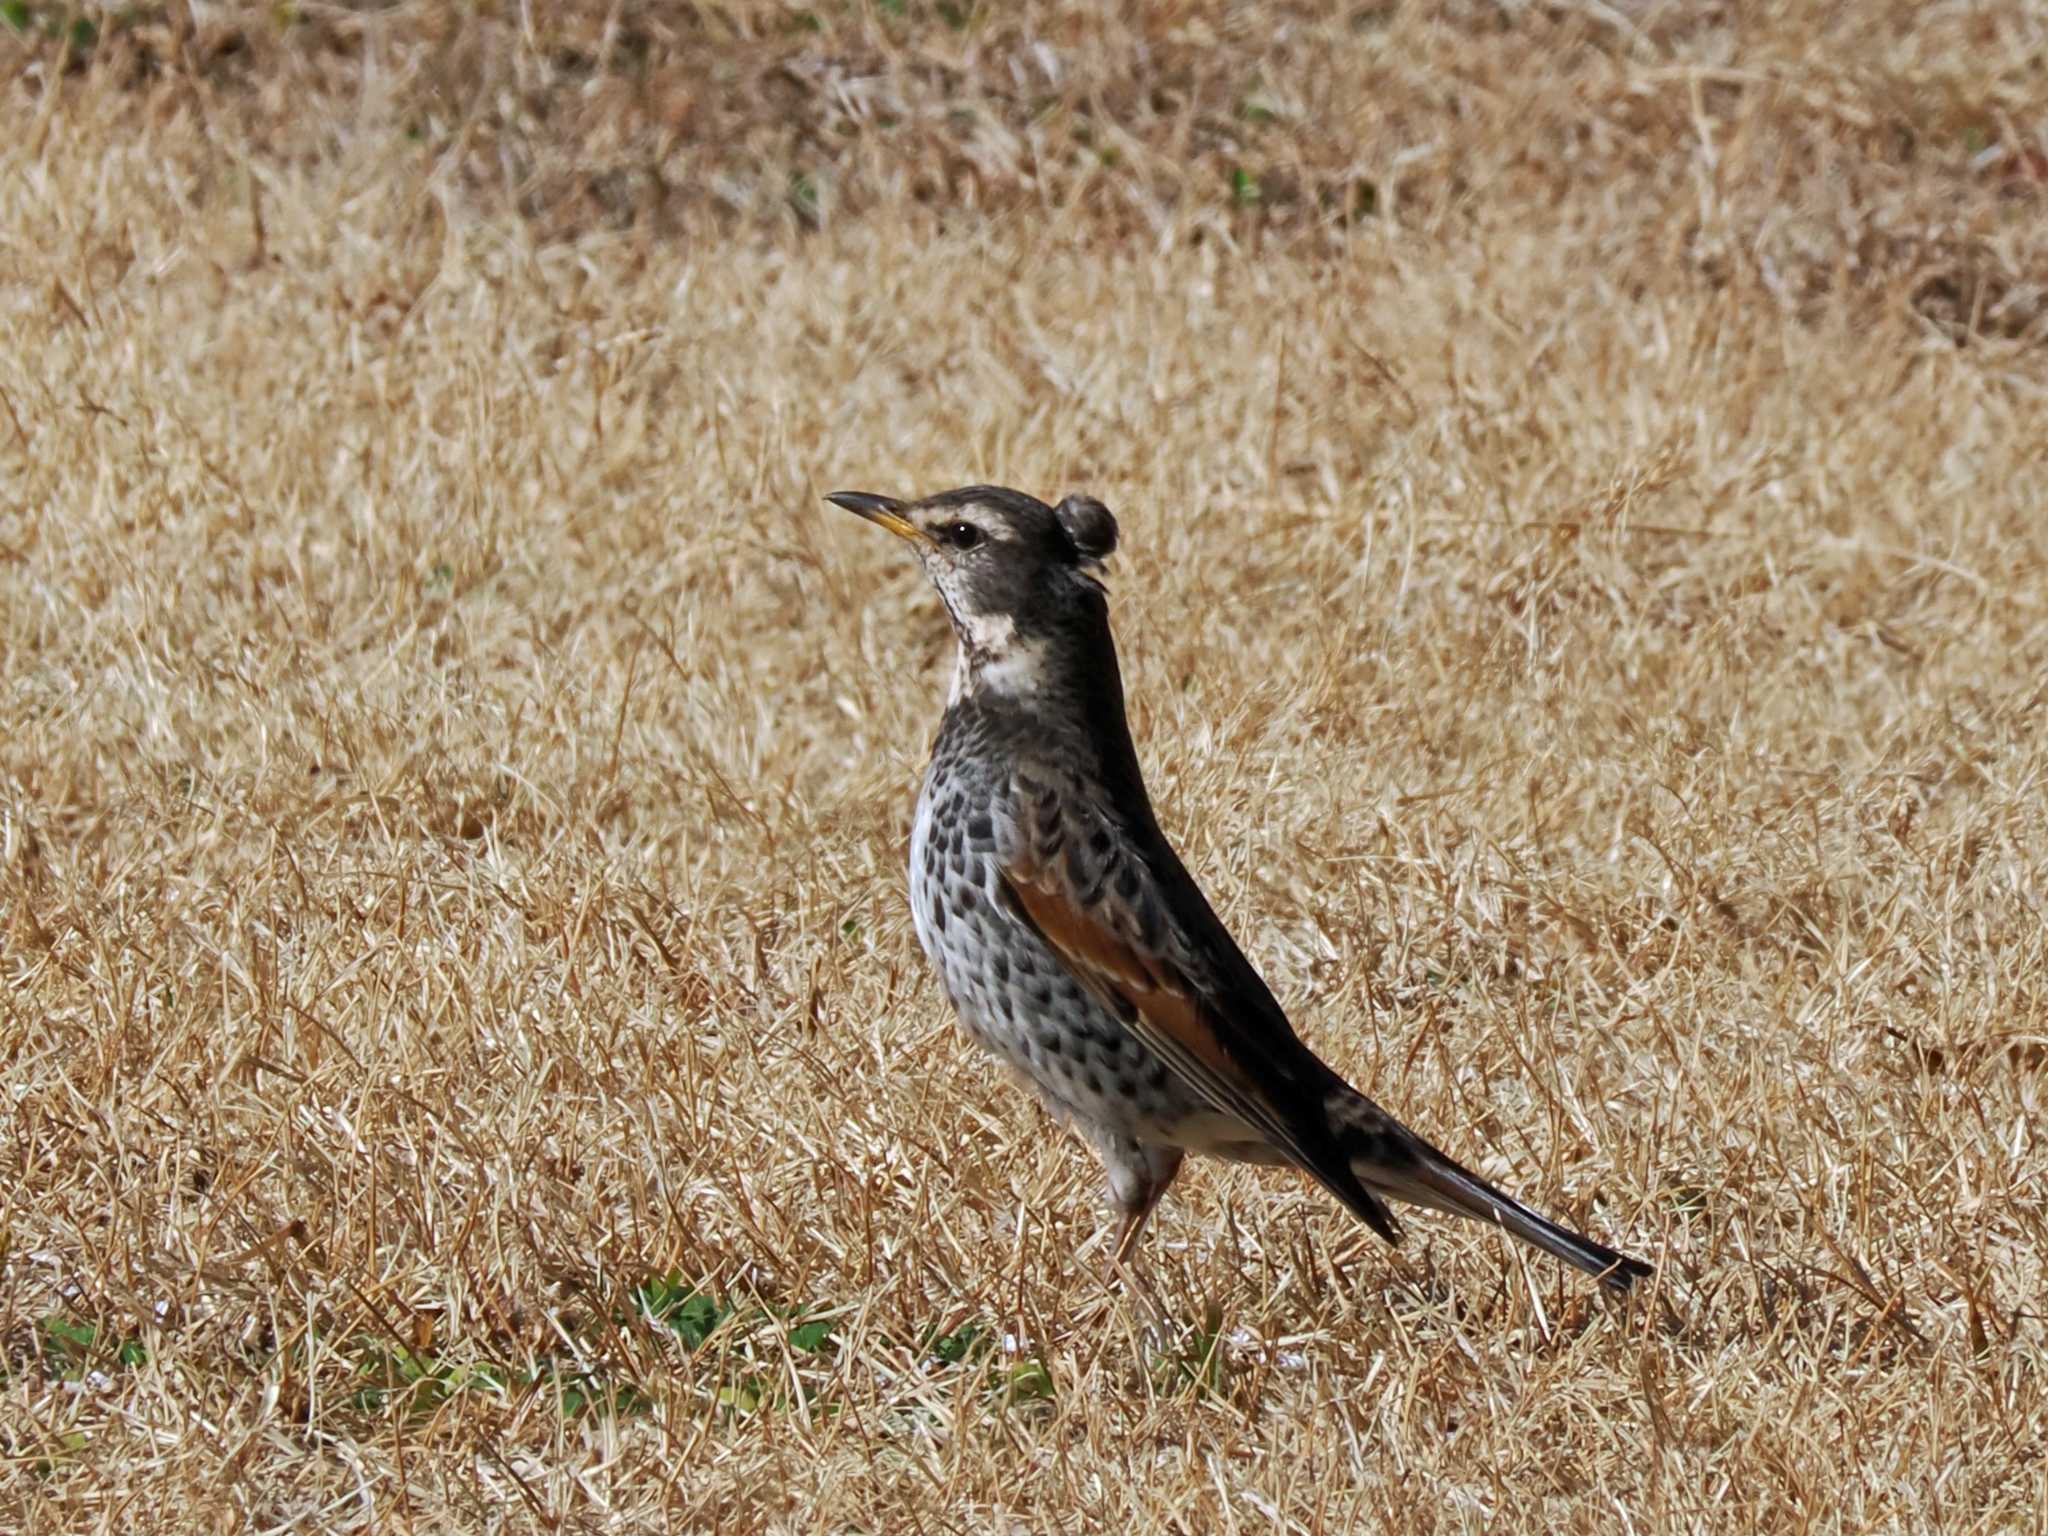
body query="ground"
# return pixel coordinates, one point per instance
(1584, 599)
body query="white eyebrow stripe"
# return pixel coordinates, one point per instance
(991, 523)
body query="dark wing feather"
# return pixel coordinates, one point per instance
(1112, 900)
(1122, 914)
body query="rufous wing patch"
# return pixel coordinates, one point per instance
(1179, 1026)
(1098, 955)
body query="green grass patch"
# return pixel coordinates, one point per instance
(754, 1357)
(71, 1349)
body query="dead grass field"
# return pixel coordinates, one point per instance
(467, 1062)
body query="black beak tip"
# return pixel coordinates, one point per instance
(863, 503)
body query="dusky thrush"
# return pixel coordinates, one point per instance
(1065, 931)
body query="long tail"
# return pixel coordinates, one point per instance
(1391, 1161)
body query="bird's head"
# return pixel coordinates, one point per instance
(1017, 576)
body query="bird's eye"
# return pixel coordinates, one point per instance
(961, 535)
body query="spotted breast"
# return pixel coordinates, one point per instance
(1013, 995)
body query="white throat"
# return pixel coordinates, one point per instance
(993, 658)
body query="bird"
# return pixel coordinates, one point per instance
(1068, 936)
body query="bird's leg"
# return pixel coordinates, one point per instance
(1138, 1176)
(1123, 1262)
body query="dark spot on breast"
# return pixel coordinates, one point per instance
(1155, 1076)
(980, 829)
(1100, 841)
(999, 967)
(1126, 1086)
(1042, 995)
(966, 900)
(1094, 1082)
(1127, 882)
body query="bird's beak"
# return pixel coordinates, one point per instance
(886, 511)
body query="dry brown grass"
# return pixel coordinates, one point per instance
(1586, 605)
